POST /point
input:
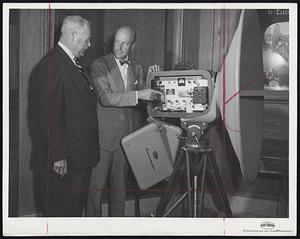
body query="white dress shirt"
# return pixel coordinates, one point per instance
(69, 53)
(124, 70)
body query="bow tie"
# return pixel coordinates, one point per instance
(122, 62)
(77, 62)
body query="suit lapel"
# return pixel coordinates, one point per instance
(115, 71)
(130, 77)
(90, 85)
(82, 77)
(67, 61)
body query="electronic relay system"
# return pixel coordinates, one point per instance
(184, 93)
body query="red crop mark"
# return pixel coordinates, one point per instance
(244, 87)
(178, 190)
(222, 49)
(231, 129)
(49, 92)
(226, 101)
(224, 89)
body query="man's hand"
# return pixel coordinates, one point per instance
(60, 167)
(154, 68)
(148, 94)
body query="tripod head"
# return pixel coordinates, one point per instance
(195, 140)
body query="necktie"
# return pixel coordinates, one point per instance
(122, 62)
(77, 62)
(80, 68)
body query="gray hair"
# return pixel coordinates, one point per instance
(71, 23)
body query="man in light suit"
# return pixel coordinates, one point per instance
(65, 142)
(120, 81)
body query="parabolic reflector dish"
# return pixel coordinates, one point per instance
(240, 97)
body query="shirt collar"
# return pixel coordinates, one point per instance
(118, 61)
(69, 53)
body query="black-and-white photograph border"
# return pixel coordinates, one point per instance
(149, 119)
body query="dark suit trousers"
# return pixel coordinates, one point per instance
(112, 166)
(66, 196)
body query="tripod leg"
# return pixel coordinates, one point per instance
(137, 207)
(218, 183)
(202, 192)
(187, 158)
(175, 205)
(173, 181)
(198, 162)
(195, 196)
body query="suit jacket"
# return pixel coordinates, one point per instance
(65, 112)
(117, 114)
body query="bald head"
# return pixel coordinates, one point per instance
(75, 34)
(123, 42)
(128, 31)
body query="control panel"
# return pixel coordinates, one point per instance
(185, 94)
(181, 93)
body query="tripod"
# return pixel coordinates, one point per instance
(195, 164)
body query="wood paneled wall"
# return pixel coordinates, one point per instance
(174, 38)
(150, 32)
(14, 49)
(166, 37)
(13, 111)
(207, 36)
(35, 40)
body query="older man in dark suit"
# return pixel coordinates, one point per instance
(120, 81)
(66, 139)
